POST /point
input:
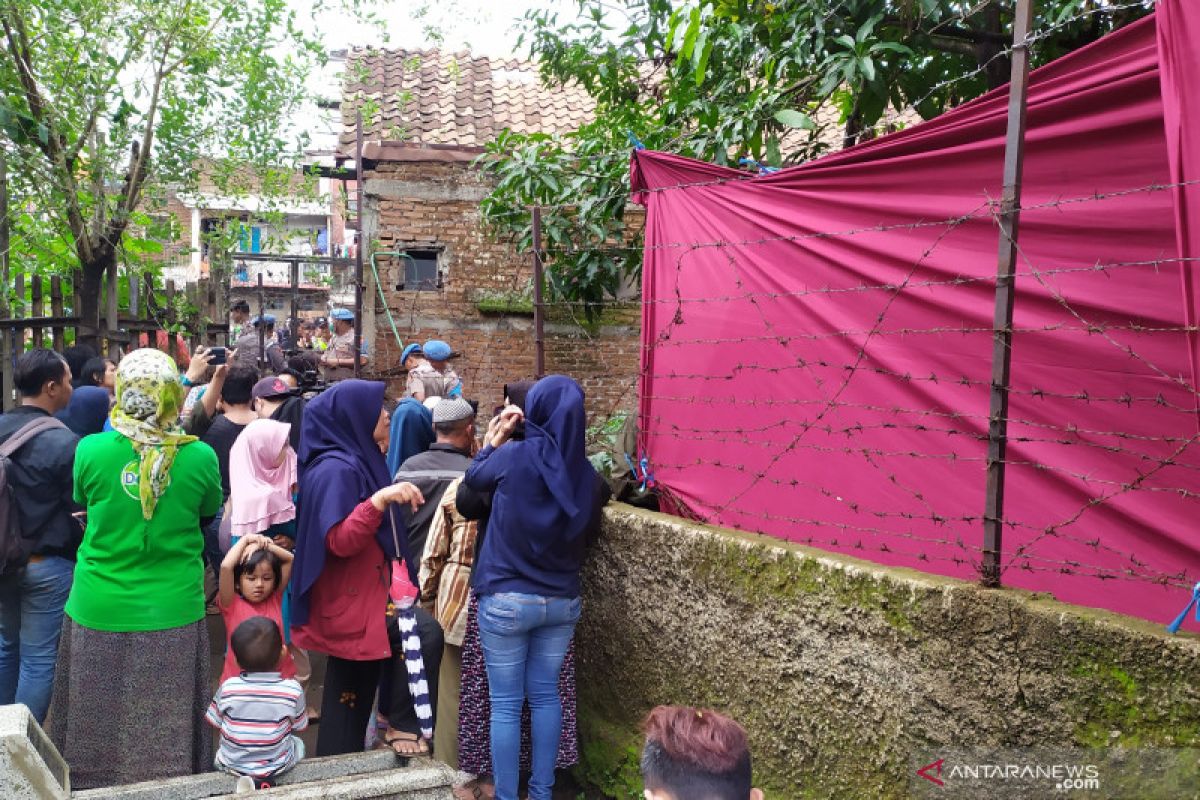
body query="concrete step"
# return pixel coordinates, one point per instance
(355, 776)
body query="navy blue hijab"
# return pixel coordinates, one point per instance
(87, 410)
(555, 440)
(412, 433)
(340, 466)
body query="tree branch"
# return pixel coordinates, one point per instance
(94, 116)
(52, 145)
(948, 45)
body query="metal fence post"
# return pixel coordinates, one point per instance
(539, 310)
(358, 251)
(1008, 219)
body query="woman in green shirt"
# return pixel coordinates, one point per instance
(132, 681)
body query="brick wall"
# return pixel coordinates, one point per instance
(435, 205)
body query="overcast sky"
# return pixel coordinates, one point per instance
(484, 27)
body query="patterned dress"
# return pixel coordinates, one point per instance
(475, 708)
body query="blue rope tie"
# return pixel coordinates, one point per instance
(1193, 603)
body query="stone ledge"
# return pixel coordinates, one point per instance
(843, 670)
(345, 777)
(30, 765)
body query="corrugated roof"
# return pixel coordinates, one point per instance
(434, 97)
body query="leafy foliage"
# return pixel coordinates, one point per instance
(106, 106)
(772, 83)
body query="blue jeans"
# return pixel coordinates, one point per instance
(31, 614)
(525, 638)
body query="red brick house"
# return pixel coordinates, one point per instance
(427, 116)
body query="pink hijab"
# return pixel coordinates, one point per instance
(260, 491)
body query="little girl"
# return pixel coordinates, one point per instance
(253, 575)
(262, 472)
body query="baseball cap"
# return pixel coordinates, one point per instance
(437, 350)
(452, 410)
(270, 387)
(344, 314)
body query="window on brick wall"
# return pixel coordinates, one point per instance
(421, 273)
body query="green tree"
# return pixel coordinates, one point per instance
(726, 80)
(105, 104)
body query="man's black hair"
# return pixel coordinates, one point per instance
(240, 305)
(257, 645)
(36, 368)
(684, 780)
(239, 385)
(452, 428)
(77, 356)
(91, 373)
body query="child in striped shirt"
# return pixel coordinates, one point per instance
(258, 711)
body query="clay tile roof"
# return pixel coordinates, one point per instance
(434, 97)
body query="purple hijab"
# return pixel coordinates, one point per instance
(340, 466)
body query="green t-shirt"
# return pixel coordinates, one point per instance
(133, 574)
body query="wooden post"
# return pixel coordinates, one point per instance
(362, 243)
(1002, 335)
(262, 329)
(7, 358)
(114, 346)
(57, 329)
(294, 310)
(134, 296)
(172, 341)
(37, 308)
(539, 309)
(21, 312)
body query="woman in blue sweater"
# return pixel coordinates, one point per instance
(546, 501)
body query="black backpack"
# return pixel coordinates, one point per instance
(14, 547)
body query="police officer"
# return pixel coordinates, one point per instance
(338, 360)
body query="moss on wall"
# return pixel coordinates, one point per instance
(844, 671)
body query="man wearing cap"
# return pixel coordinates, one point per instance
(339, 357)
(274, 399)
(239, 315)
(321, 336)
(247, 345)
(435, 469)
(432, 376)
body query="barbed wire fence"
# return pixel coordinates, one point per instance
(882, 396)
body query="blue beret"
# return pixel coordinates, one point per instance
(437, 350)
(343, 314)
(410, 350)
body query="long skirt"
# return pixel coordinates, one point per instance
(475, 709)
(129, 707)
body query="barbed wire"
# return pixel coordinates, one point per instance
(1143, 456)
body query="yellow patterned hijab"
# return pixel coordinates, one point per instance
(149, 396)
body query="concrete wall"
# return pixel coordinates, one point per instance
(435, 205)
(841, 669)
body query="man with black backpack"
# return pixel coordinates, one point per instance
(39, 535)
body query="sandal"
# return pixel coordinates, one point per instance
(314, 715)
(414, 745)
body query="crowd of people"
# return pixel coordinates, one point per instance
(434, 567)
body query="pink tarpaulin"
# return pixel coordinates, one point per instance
(817, 342)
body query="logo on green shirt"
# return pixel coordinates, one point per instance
(129, 479)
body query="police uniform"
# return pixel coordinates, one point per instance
(341, 346)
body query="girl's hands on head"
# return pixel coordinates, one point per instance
(253, 542)
(404, 492)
